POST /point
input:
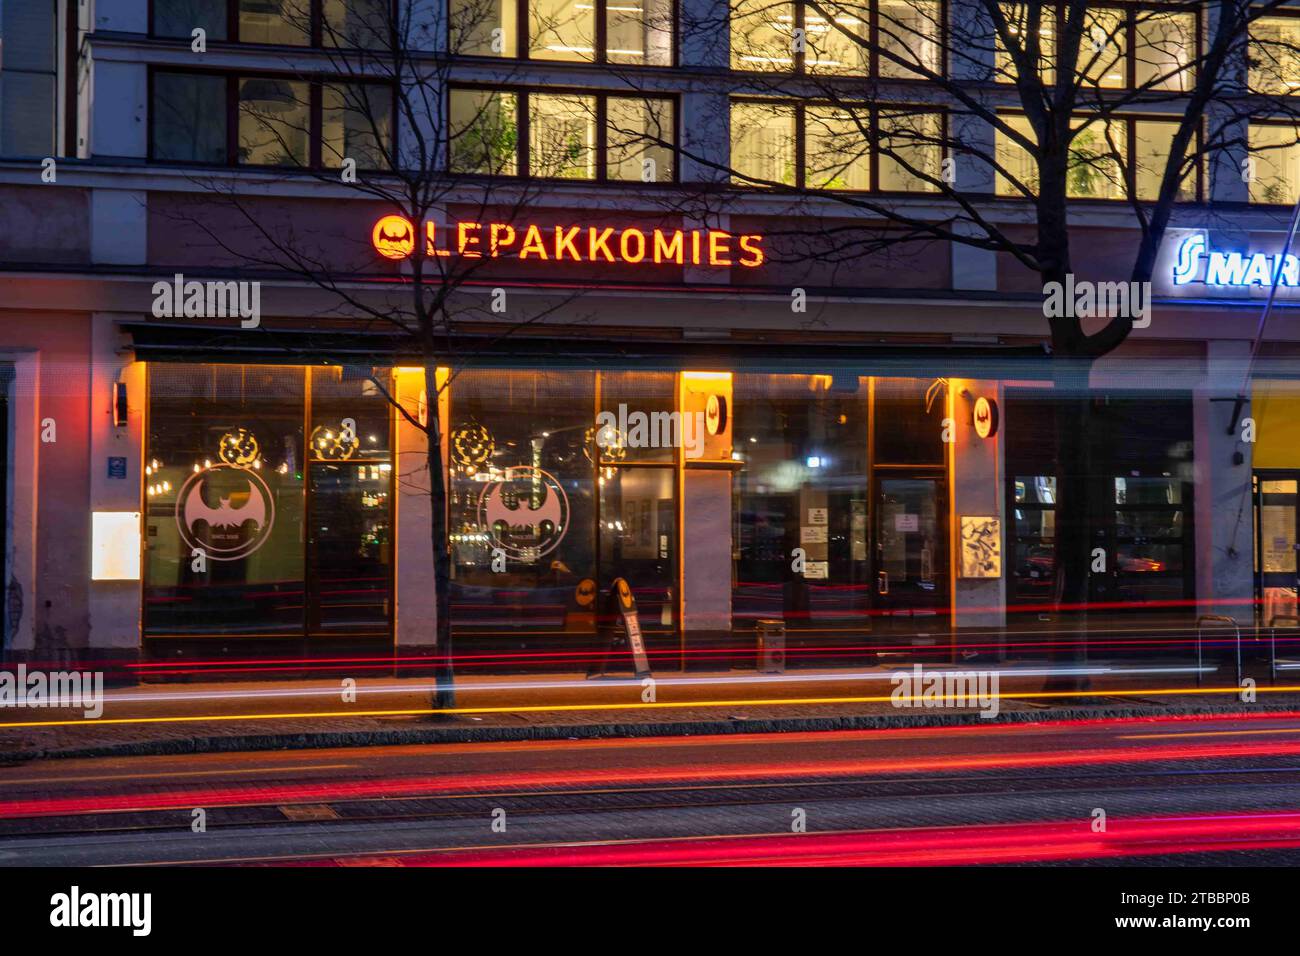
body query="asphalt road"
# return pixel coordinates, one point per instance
(1176, 790)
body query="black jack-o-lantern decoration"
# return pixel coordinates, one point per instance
(393, 237)
(239, 448)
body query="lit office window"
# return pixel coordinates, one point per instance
(762, 35)
(285, 22)
(912, 31)
(1095, 170)
(484, 132)
(188, 114)
(837, 150)
(1152, 141)
(639, 31)
(763, 143)
(1275, 55)
(838, 36)
(1117, 47)
(1164, 49)
(562, 30)
(356, 123)
(274, 122)
(636, 130)
(1275, 162)
(911, 150)
(562, 136)
(484, 27)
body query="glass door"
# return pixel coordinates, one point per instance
(1275, 547)
(349, 549)
(911, 554)
(638, 541)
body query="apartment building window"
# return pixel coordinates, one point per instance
(269, 121)
(352, 24)
(833, 146)
(1273, 172)
(560, 134)
(29, 81)
(1120, 47)
(893, 39)
(1275, 55)
(1111, 159)
(633, 32)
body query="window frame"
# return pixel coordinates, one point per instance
(801, 127)
(1130, 10)
(523, 138)
(600, 40)
(799, 67)
(316, 83)
(315, 41)
(1130, 144)
(1293, 125)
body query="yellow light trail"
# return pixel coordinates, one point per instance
(657, 705)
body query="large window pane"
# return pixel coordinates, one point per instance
(1166, 47)
(763, 142)
(1023, 28)
(1275, 152)
(562, 136)
(1102, 49)
(274, 122)
(275, 21)
(356, 123)
(179, 18)
(837, 151)
(484, 27)
(484, 132)
(364, 24)
(639, 31)
(1275, 55)
(1095, 171)
(911, 149)
(635, 128)
(911, 30)
(836, 42)
(762, 35)
(522, 480)
(1152, 142)
(189, 117)
(224, 474)
(562, 29)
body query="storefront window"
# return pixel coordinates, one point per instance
(224, 499)
(804, 483)
(1034, 503)
(522, 499)
(1149, 542)
(246, 536)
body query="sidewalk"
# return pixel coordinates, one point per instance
(196, 718)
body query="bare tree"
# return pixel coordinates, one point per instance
(386, 83)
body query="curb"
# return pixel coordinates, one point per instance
(469, 734)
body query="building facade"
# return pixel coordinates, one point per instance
(740, 398)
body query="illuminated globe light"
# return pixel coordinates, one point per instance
(239, 448)
(330, 444)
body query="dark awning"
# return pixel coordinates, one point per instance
(175, 342)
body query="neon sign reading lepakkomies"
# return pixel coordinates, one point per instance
(394, 238)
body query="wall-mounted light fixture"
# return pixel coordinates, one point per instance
(119, 404)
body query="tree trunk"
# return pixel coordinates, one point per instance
(444, 672)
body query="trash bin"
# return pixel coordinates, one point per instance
(771, 647)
